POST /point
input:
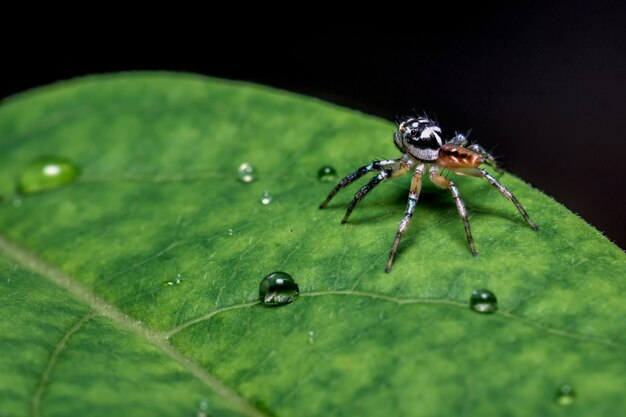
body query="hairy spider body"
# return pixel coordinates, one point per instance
(420, 140)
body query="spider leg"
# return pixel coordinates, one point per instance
(440, 181)
(349, 179)
(384, 174)
(458, 139)
(506, 193)
(416, 185)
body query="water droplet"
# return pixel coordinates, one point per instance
(230, 232)
(45, 174)
(266, 198)
(277, 289)
(327, 174)
(202, 407)
(246, 173)
(565, 395)
(483, 301)
(311, 337)
(170, 283)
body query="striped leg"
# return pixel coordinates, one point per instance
(459, 139)
(374, 166)
(384, 174)
(416, 185)
(443, 182)
(508, 195)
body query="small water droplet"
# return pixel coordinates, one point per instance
(246, 173)
(277, 289)
(483, 301)
(170, 283)
(565, 395)
(46, 173)
(230, 232)
(266, 198)
(327, 174)
(17, 202)
(202, 407)
(311, 337)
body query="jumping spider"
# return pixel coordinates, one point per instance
(419, 138)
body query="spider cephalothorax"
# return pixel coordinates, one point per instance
(419, 138)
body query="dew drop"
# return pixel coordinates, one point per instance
(202, 408)
(327, 174)
(246, 173)
(483, 301)
(46, 173)
(230, 232)
(277, 289)
(266, 198)
(565, 395)
(170, 283)
(311, 337)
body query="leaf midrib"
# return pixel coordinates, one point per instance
(101, 307)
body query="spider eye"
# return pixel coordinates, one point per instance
(414, 133)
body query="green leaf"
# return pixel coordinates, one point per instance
(132, 289)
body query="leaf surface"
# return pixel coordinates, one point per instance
(133, 290)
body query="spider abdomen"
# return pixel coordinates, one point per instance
(455, 156)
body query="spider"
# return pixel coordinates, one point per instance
(419, 138)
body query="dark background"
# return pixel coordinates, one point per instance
(542, 85)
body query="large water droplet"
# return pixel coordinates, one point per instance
(565, 395)
(327, 174)
(277, 289)
(246, 173)
(483, 301)
(46, 173)
(266, 198)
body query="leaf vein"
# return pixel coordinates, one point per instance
(410, 301)
(103, 308)
(54, 357)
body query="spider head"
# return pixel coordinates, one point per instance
(420, 137)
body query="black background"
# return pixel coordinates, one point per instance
(542, 85)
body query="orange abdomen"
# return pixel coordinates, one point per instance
(456, 156)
